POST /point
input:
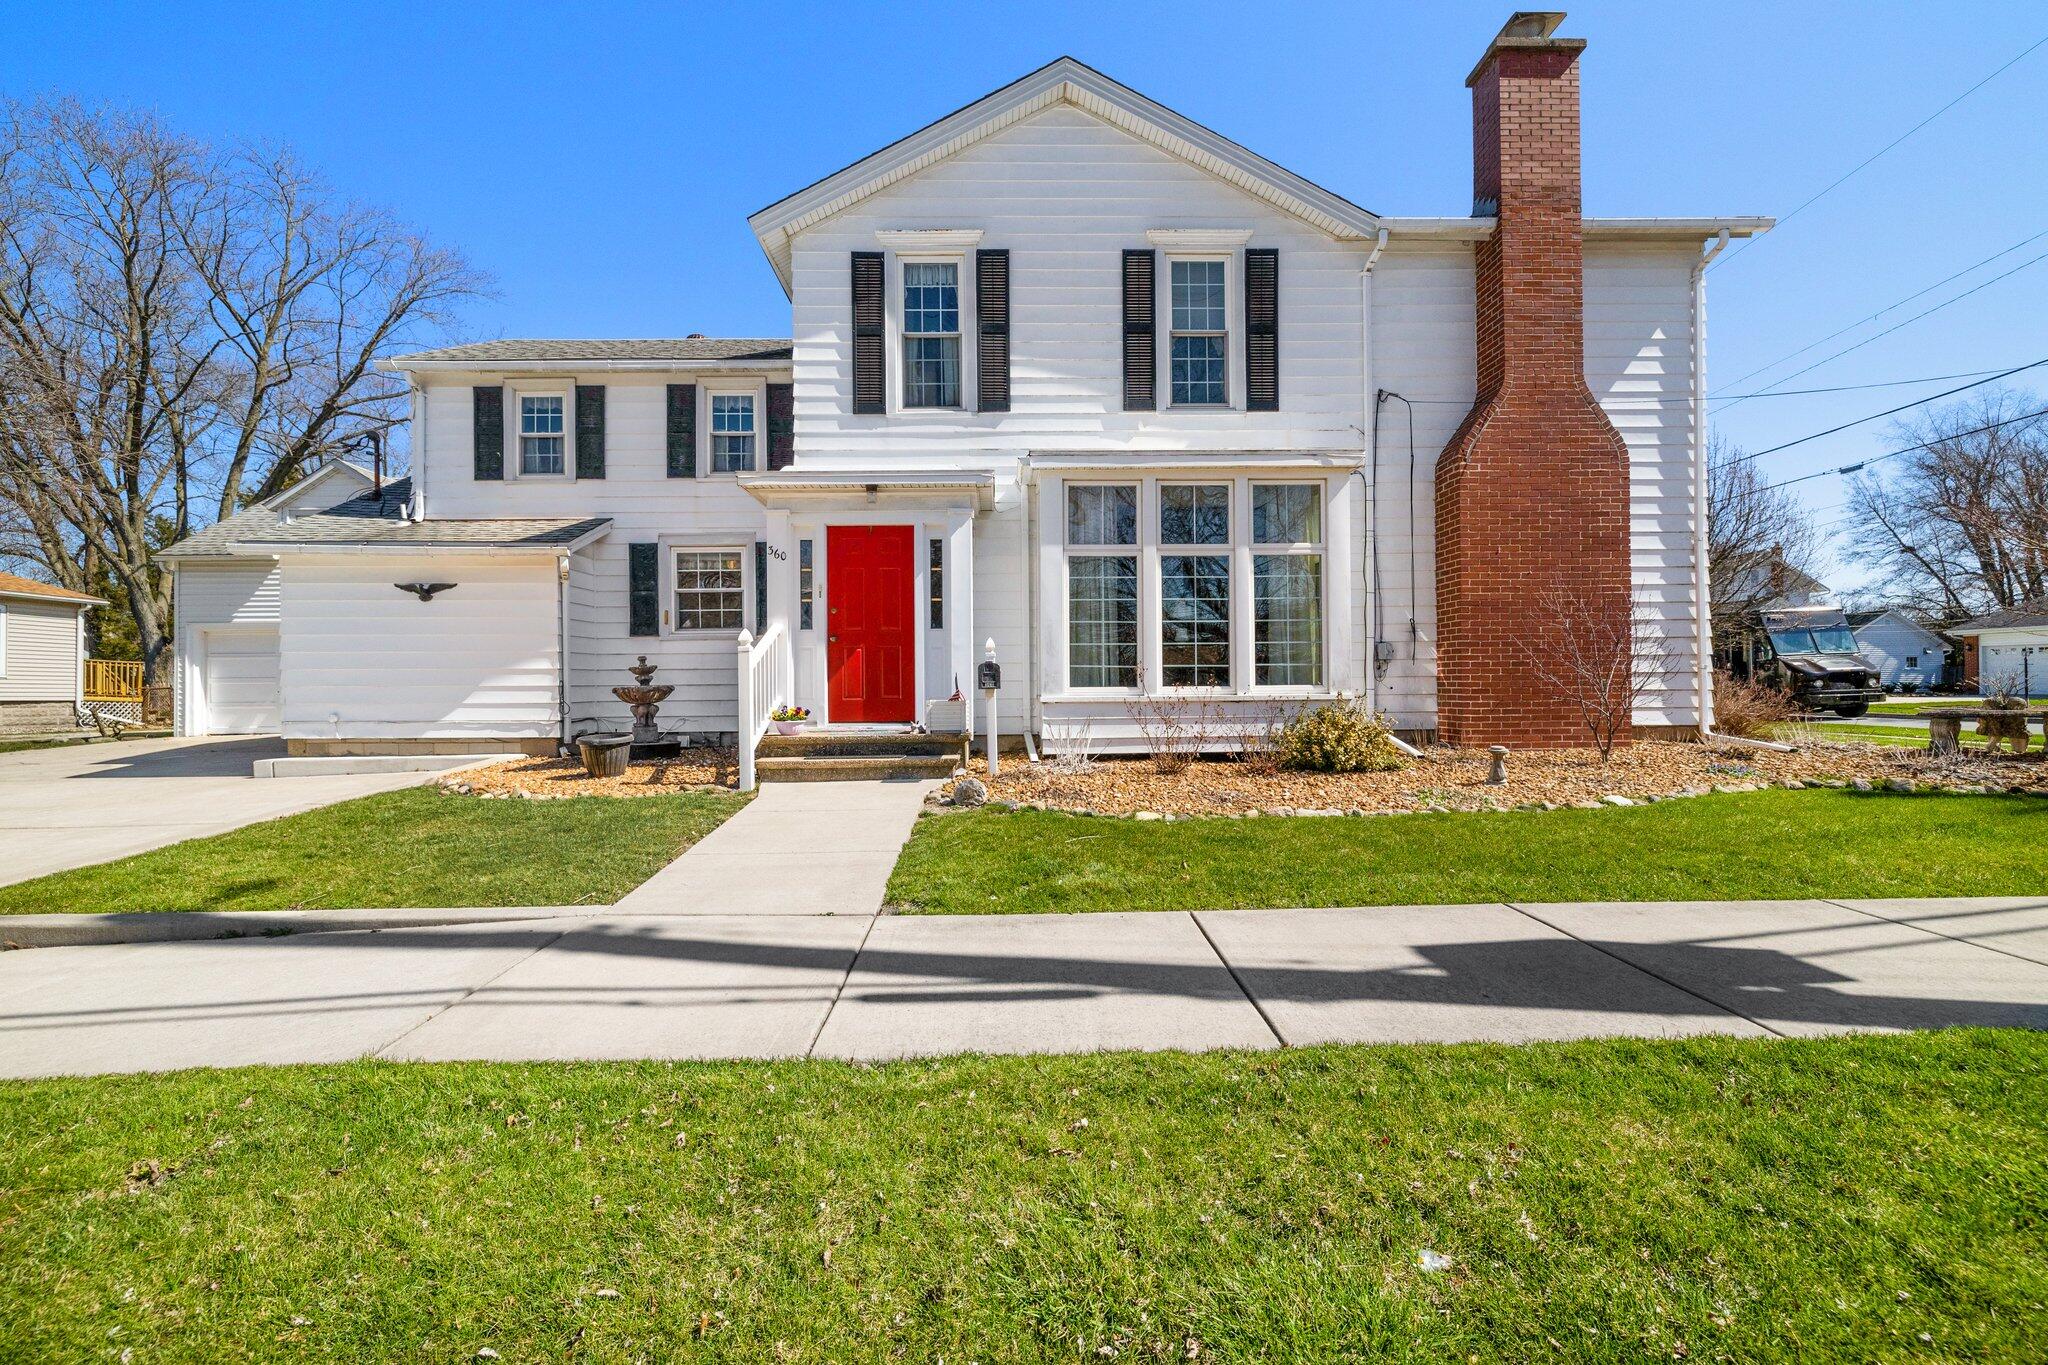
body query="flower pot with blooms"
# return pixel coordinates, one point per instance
(789, 719)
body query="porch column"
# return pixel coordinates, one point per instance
(960, 609)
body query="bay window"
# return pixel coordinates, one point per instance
(1102, 585)
(1223, 578)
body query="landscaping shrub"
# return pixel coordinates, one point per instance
(1339, 737)
(1748, 709)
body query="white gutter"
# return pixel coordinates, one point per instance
(1368, 398)
(566, 366)
(1703, 613)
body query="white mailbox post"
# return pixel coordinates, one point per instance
(989, 676)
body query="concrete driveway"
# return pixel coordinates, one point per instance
(90, 803)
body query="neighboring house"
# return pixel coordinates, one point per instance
(1903, 650)
(2010, 644)
(42, 655)
(1070, 373)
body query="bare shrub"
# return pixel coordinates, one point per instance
(1748, 709)
(1258, 744)
(1598, 652)
(1176, 731)
(1071, 752)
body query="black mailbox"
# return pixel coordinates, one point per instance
(988, 675)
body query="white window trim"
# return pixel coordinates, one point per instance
(706, 390)
(1233, 333)
(564, 389)
(724, 543)
(1151, 588)
(897, 370)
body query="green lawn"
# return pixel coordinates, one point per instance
(1914, 708)
(1761, 845)
(1857, 1198)
(415, 847)
(1893, 736)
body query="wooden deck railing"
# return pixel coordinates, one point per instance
(113, 680)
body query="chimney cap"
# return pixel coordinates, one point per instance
(1527, 28)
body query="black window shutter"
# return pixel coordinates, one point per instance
(488, 424)
(868, 367)
(643, 588)
(1141, 353)
(992, 349)
(590, 431)
(682, 431)
(760, 586)
(1261, 329)
(781, 426)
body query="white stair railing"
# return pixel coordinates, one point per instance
(767, 677)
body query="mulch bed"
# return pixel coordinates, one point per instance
(551, 778)
(1455, 779)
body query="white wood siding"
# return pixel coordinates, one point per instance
(241, 592)
(1888, 643)
(362, 660)
(42, 651)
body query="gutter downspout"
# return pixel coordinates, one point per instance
(1703, 627)
(1369, 400)
(1027, 489)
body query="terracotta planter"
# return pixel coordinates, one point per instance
(604, 755)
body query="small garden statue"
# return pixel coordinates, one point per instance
(2003, 695)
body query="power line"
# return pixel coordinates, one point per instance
(1891, 454)
(1859, 166)
(1918, 402)
(1907, 322)
(1844, 388)
(1900, 303)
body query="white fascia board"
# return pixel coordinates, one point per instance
(316, 548)
(1064, 81)
(79, 603)
(402, 365)
(1595, 229)
(1153, 461)
(772, 489)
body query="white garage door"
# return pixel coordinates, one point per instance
(241, 682)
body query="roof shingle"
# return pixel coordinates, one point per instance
(14, 585)
(675, 348)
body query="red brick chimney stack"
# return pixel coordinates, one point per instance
(1532, 493)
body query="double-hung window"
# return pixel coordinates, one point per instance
(710, 590)
(1194, 584)
(540, 433)
(1287, 584)
(1102, 585)
(732, 433)
(1200, 345)
(931, 334)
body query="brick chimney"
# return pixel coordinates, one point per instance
(1532, 492)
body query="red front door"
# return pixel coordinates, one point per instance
(871, 612)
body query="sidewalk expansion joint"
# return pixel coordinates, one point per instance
(810, 1049)
(1637, 966)
(1249, 998)
(1952, 938)
(495, 978)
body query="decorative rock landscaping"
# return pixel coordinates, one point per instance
(550, 779)
(1452, 779)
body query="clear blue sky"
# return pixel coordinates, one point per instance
(599, 161)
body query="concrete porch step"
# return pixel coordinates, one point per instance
(853, 767)
(863, 744)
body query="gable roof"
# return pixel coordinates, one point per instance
(653, 350)
(1065, 81)
(1858, 620)
(2020, 617)
(267, 519)
(14, 585)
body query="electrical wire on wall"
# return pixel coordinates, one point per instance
(1414, 582)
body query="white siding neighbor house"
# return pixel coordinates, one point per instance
(42, 655)
(1068, 373)
(2011, 648)
(1903, 651)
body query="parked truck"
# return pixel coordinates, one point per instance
(1810, 653)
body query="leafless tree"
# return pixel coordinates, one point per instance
(1753, 530)
(1603, 655)
(182, 331)
(1961, 525)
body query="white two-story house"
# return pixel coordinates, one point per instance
(1070, 373)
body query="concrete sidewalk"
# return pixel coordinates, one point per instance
(617, 985)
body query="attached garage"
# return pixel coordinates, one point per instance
(238, 681)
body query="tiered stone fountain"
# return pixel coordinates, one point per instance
(645, 698)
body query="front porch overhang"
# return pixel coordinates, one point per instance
(791, 489)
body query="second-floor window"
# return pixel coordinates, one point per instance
(540, 434)
(732, 433)
(931, 334)
(1201, 336)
